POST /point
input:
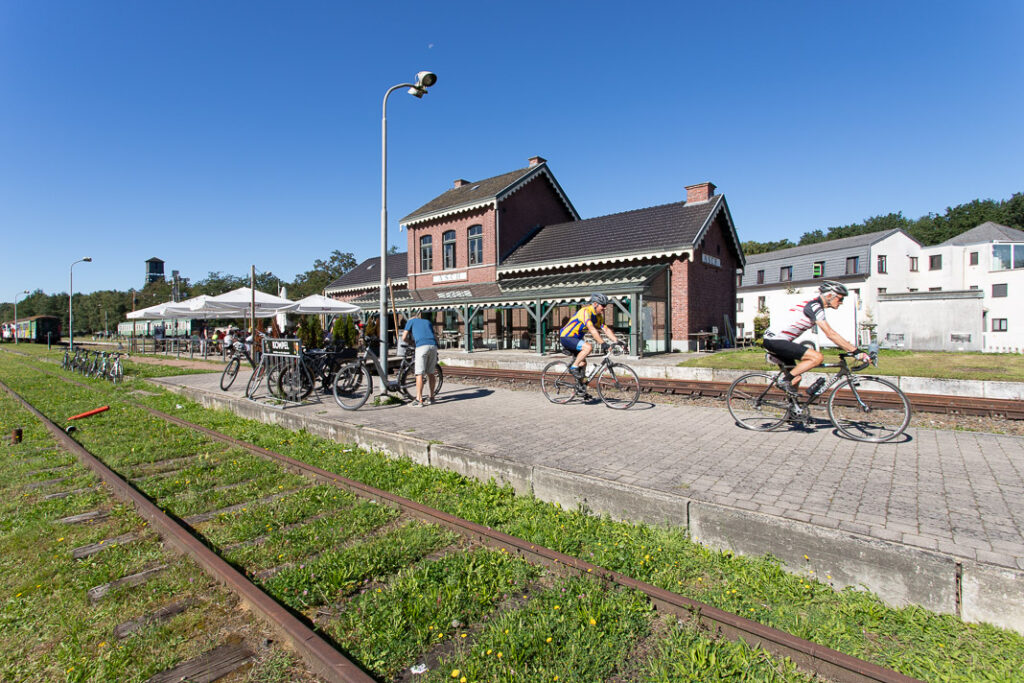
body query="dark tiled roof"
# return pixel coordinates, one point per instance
(820, 247)
(658, 228)
(470, 194)
(368, 272)
(986, 232)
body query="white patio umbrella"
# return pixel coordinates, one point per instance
(318, 303)
(238, 304)
(155, 312)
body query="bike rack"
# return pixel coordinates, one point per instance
(279, 356)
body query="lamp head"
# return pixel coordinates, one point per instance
(424, 79)
(88, 259)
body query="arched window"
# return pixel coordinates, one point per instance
(426, 253)
(476, 244)
(448, 244)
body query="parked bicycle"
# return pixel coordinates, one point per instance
(862, 408)
(317, 366)
(353, 382)
(618, 385)
(238, 352)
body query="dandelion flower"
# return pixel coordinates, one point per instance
(455, 673)
(593, 621)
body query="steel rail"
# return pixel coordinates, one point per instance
(810, 656)
(926, 403)
(321, 656)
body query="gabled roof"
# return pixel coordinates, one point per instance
(986, 232)
(367, 274)
(484, 192)
(665, 230)
(828, 245)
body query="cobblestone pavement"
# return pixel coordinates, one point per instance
(956, 492)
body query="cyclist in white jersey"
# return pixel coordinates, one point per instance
(778, 338)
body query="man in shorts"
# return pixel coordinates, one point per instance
(426, 356)
(587, 319)
(778, 338)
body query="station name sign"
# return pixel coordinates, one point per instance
(451, 277)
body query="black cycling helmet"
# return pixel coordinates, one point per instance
(833, 287)
(599, 299)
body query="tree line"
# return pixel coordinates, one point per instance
(103, 310)
(928, 230)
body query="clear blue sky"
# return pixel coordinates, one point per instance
(216, 134)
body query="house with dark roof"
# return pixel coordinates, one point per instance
(506, 260)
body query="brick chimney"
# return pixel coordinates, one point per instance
(460, 182)
(537, 161)
(699, 192)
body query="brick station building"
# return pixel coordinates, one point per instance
(504, 262)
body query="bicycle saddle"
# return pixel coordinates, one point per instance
(775, 360)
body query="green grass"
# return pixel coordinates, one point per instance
(912, 640)
(424, 606)
(576, 631)
(1006, 367)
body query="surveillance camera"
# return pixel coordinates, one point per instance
(425, 79)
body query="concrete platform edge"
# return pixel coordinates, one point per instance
(899, 574)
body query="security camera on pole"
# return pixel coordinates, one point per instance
(424, 80)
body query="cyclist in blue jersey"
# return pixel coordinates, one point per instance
(587, 319)
(779, 337)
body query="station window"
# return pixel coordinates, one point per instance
(761, 304)
(760, 277)
(913, 264)
(974, 258)
(999, 325)
(448, 247)
(739, 305)
(426, 253)
(476, 244)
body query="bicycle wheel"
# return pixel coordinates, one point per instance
(557, 383)
(254, 380)
(618, 386)
(755, 403)
(352, 385)
(869, 409)
(294, 384)
(116, 372)
(407, 382)
(227, 378)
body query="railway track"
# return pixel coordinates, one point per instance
(236, 530)
(924, 403)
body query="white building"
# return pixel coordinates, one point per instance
(885, 271)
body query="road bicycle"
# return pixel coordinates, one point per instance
(861, 407)
(618, 385)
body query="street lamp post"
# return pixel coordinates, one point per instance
(16, 314)
(71, 298)
(424, 80)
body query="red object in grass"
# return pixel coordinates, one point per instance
(91, 412)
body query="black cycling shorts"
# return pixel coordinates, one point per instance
(785, 349)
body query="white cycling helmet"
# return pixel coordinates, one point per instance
(833, 287)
